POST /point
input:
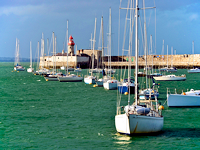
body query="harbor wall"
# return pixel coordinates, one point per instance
(158, 61)
(58, 61)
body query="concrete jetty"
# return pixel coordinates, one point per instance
(158, 61)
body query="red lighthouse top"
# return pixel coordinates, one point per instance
(71, 42)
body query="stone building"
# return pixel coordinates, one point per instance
(82, 58)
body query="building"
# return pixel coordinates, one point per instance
(82, 58)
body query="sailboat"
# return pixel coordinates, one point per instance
(54, 75)
(194, 70)
(171, 77)
(127, 85)
(185, 99)
(31, 69)
(17, 66)
(153, 74)
(112, 83)
(171, 69)
(100, 81)
(141, 116)
(69, 77)
(90, 79)
(42, 70)
(78, 69)
(148, 93)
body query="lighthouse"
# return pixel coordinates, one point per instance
(71, 46)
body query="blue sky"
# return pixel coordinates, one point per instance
(177, 23)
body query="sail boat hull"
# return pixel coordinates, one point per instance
(70, 78)
(123, 89)
(170, 78)
(110, 85)
(138, 124)
(30, 70)
(19, 68)
(196, 70)
(90, 80)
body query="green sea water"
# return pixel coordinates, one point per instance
(36, 114)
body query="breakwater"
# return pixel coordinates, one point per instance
(158, 61)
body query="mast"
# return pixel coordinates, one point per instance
(53, 52)
(48, 53)
(42, 50)
(171, 56)
(130, 50)
(193, 52)
(94, 43)
(67, 47)
(102, 51)
(151, 51)
(110, 38)
(145, 44)
(30, 55)
(38, 47)
(167, 56)
(163, 52)
(16, 52)
(136, 52)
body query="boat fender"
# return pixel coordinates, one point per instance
(184, 93)
(161, 107)
(126, 93)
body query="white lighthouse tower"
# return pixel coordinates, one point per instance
(71, 46)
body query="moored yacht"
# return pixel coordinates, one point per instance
(171, 78)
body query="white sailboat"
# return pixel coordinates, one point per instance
(164, 68)
(77, 70)
(31, 69)
(69, 77)
(90, 79)
(42, 70)
(153, 74)
(185, 99)
(54, 75)
(138, 118)
(171, 69)
(100, 81)
(148, 93)
(171, 77)
(194, 70)
(112, 83)
(17, 66)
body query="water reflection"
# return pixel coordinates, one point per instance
(122, 139)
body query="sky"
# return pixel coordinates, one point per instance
(176, 22)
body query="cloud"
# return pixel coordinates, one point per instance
(22, 10)
(193, 17)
